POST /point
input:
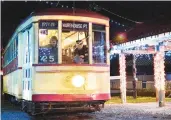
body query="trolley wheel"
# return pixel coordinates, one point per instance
(97, 107)
(23, 106)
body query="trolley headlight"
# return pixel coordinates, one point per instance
(78, 80)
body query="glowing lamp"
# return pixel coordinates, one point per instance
(78, 80)
(121, 36)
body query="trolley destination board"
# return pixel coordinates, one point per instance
(71, 25)
(48, 24)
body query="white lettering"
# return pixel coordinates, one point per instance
(84, 25)
(47, 24)
(44, 58)
(74, 25)
(51, 58)
(52, 24)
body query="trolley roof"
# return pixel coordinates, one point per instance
(59, 11)
(70, 12)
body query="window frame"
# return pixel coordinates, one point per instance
(75, 30)
(59, 36)
(100, 31)
(39, 28)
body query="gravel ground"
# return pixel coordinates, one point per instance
(140, 111)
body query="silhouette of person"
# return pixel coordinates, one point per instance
(81, 52)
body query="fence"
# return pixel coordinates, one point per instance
(115, 85)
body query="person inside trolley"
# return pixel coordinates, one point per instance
(51, 51)
(81, 52)
(53, 43)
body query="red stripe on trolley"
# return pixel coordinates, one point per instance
(58, 71)
(70, 97)
(19, 67)
(95, 65)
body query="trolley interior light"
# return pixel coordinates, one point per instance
(78, 80)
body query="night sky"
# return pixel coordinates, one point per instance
(13, 13)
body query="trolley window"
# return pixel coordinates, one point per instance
(99, 43)
(11, 52)
(48, 42)
(74, 42)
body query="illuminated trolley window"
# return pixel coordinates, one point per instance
(74, 42)
(99, 43)
(48, 42)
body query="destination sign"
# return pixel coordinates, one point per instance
(48, 24)
(69, 25)
(98, 27)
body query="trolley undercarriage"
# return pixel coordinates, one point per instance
(35, 108)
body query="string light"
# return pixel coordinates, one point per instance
(116, 14)
(117, 23)
(122, 63)
(159, 71)
(134, 67)
(168, 54)
(96, 8)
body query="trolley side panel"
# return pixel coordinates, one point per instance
(58, 82)
(12, 83)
